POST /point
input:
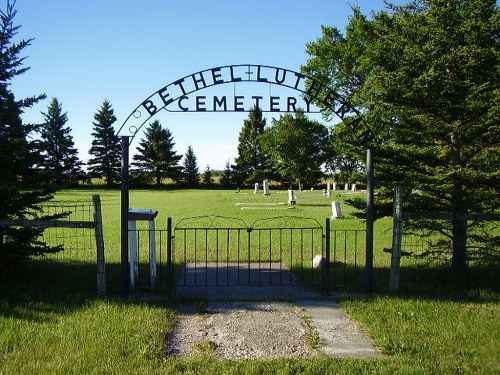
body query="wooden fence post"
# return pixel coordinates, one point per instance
(397, 234)
(99, 240)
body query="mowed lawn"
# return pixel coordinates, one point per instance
(51, 322)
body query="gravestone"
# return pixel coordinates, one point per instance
(291, 197)
(266, 187)
(319, 261)
(256, 191)
(334, 187)
(336, 212)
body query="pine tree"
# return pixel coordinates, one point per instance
(190, 170)
(208, 177)
(105, 151)
(20, 191)
(61, 161)
(251, 165)
(226, 179)
(157, 155)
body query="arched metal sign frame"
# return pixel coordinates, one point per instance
(176, 93)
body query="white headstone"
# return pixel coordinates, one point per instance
(334, 187)
(256, 188)
(336, 212)
(346, 187)
(353, 187)
(266, 187)
(291, 197)
(324, 192)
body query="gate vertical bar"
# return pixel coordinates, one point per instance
(170, 271)
(327, 286)
(370, 218)
(397, 235)
(124, 275)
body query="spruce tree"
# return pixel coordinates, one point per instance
(251, 165)
(21, 192)
(226, 179)
(208, 177)
(61, 162)
(190, 170)
(105, 161)
(156, 154)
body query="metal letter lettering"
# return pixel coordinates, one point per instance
(200, 101)
(278, 80)
(179, 83)
(200, 80)
(259, 78)
(274, 103)
(179, 103)
(233, 78)
(164, 95)
(257, 99)
(299, 78)
(150, 107)
(220, 103)
(291, 102)
(238, 104)
(216, 75)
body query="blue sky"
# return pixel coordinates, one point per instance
(85, 51)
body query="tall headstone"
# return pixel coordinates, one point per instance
(336, 212)
(266, 187)
(256, 191)
(291, 197)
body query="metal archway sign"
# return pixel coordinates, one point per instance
(183, 95)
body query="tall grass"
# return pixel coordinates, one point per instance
(52, 323)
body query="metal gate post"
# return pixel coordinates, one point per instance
(327, 286)
(170, 271)
(370, 218)
(124, 275)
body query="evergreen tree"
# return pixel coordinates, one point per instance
(157, 155)
(61, 162)
(20, 191)
(208, 177)
(190, 170)
(251, 164)
(425, 76)
(226, 179)
(105, 151)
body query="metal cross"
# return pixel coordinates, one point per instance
(249, 72)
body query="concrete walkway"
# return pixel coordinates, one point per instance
(339, 335)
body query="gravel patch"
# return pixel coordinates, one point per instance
(242, 330)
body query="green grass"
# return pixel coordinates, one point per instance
(52, 323)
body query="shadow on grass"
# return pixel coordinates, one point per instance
(41, 289)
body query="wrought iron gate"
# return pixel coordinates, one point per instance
(224, 251)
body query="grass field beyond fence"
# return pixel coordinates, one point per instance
(52, 323)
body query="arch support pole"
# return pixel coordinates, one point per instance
(124, 266)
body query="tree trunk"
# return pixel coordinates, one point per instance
(459, 211)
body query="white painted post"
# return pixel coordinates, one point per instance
(152, 254)
(336, 212)
(133, 255)
(353, 187)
